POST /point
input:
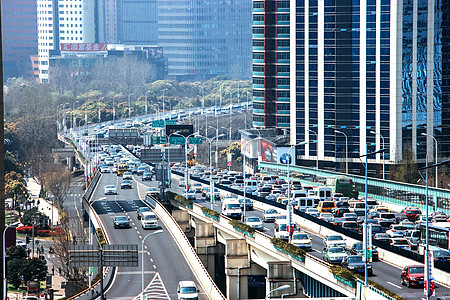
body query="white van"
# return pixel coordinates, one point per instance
(149, 220)
(358, 208)
(231, 208)
(303, 203)
(299, 193)
(324, 193)
(251, 185)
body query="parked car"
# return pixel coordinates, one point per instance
(355, 263)
(413, 275)
(121, 222)
(334, 255)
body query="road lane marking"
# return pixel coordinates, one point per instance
(393, 284)
(145, 246)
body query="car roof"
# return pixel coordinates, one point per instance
(186, 283)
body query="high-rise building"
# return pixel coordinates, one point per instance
(62, 21)
(377, 71)
(203, 39)
(19, 28)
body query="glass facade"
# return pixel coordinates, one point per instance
(375, 70)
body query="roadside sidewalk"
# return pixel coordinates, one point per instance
(44, 206)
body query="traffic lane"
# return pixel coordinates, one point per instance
(385, 274)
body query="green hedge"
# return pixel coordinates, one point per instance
(175, 197)
(242, 226)
(288, 247)
(101, 236)
(210, 212)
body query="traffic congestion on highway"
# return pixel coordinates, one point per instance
(399, 228)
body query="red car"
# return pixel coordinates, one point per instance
(412, 213)
(413, 275)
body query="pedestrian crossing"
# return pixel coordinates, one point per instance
(155, 290)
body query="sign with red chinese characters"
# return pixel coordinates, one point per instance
(79, 48)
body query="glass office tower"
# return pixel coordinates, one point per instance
(375, 70)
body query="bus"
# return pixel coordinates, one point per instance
(438, 234)
(122, 168)
(343, 185)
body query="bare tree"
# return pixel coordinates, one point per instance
(58, 183)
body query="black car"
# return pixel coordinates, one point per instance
(121, 222)
(357, 249)
(355, 263)
(339, 211)
(141, 210)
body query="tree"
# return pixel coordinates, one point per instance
(34, 216)
(15, 187)
(407, 170)
(19, 265)
(57, 182)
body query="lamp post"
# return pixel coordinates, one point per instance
(73, 115)
(317, 150)
(427, 243)
(365, 208)
(168, 155)
(216, 154)
(114, 108)
(146, 102)
(346, 150)
(382, 139)
(229, 147)
(142, 275)
(283, 287)
(5, 280)
(243, 172)
(163, 100)
(436, 159)
(289, 204)
(129, 105)
(245, 119)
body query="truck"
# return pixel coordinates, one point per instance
(231, 208)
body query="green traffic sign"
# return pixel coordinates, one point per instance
(196, 140)
(156, 140)
(171, 122)
(176, 140)
(158, 123)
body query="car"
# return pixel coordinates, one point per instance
(440, 254)
(152, 191)
(121, 222)
(355, 263)
(340, 211)
(313, 212)
(146, 176)
(110, 190)
(439, 216)
(327, 217)
(142, 210)
(302, 240)
(397, 231)
(413, 236)
(21, 243)
(187, 290)
(334, 255)
(216, 194)
(358, 249)
(382, 237)
(254, 222)
(191, 195)
(248, 204)
(270, 215)
(181, 182)
(350, 216)
(197, 187)
(149, 220)
(126, 184)
(127, 175)
(350, 225)
(413, 275)
(104, 169)
(412, 213)
(333, 240)
(402, 243)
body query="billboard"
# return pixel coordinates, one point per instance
(268, 151)
(183, 129)
(282, 153)
(79, 48)
(249, 147)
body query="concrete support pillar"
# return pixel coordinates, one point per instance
(182, 218)
(205, 245)
(236, 259)
(279, 273)
(70, 162)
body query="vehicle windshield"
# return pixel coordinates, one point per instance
(440, 253)
(110, 186)
(121, 219)
(300, 236)
(355, 259)
(144, 209)
(336, 250)
(255, 219)
(188, 290)
(150, 217)
(401, 242)
(271, 211)
(416, 270)
(335, 238)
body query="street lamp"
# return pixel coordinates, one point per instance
(243, 172)
(129, 105)
(346, 151)
(5, 280)
(288, 204)
(146, 102)
(114, 108)
(365, 208)
(283, 287)
(427, 243)
(163, 100)
(382, 138)
(216, 154)
(229, 147)
(317, 149)
(73, 115)
(156, 232)
(436, 160)
(245, 118)
(168, 155)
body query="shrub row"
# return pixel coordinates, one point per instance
(288, 247)
(242, 226)
(179, 198)
(210, 212)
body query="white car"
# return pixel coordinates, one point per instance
(197, 187)
(104, 169)
(110, 190)
(397, 231)
(270, 215)
(302, 240)
(334, 240)
(187, 290)
(127, 175)
(328, 217)
(313, 212)
(254, 222)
